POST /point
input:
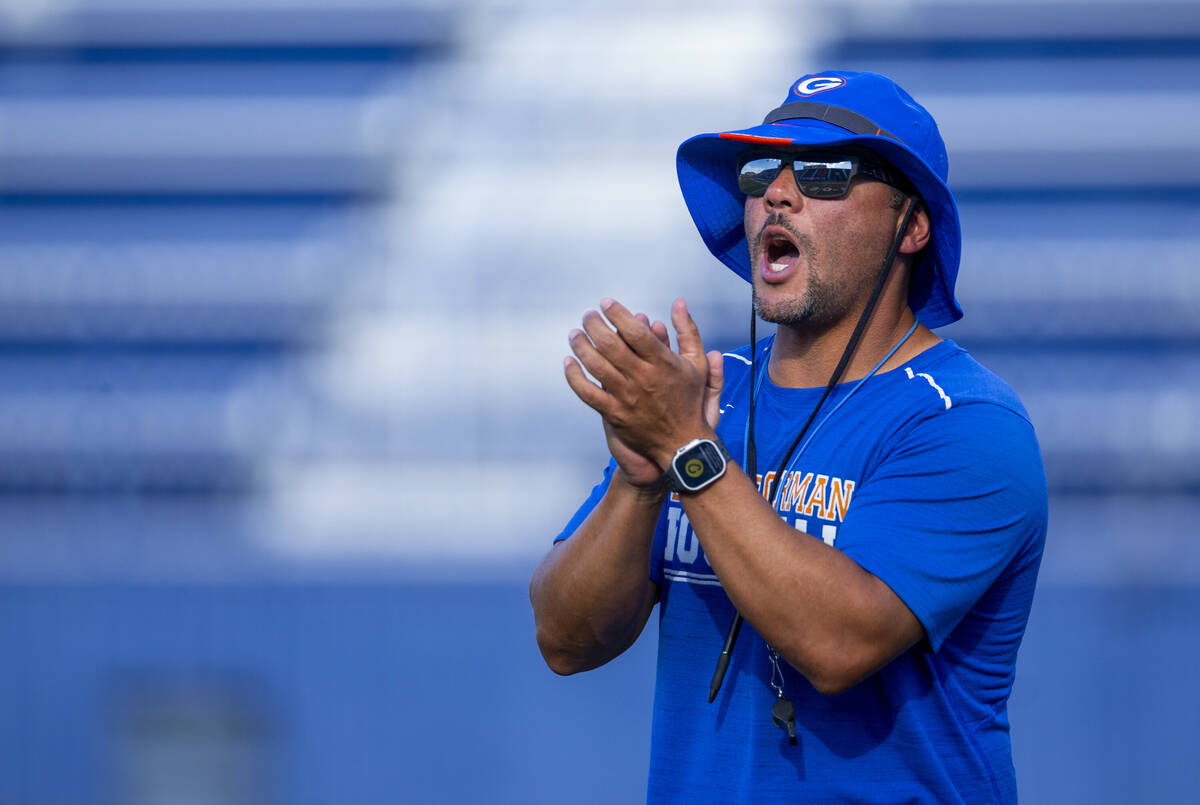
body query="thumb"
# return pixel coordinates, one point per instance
(688, 334)
(712, 388)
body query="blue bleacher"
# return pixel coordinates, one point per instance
(155, 248)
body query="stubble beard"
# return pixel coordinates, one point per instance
(805, 310)
(814, 305)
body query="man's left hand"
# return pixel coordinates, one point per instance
(654, 399)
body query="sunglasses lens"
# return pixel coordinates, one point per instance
(824, 178)
(756, 175)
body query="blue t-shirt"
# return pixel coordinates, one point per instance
(930, 478)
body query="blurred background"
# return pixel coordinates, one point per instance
(284, 290)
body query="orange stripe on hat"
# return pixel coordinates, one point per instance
(750, 138)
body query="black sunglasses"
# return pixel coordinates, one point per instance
(818, 174)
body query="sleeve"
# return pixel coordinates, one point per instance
(660, 530)
(946, 512)
(583, 511)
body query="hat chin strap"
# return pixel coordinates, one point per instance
(884, 271)
(751, 456)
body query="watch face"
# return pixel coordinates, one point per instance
(699, 465)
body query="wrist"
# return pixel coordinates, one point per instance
(650, 493)
(697, 465)
(685, 436)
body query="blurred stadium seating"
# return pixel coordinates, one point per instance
(284, 287)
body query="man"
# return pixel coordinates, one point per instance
(880, 650)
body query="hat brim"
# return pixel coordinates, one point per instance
(707, 169)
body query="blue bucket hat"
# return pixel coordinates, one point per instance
(828, 109)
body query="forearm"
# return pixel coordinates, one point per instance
(827, 616)
(830, 619)
(592, 593)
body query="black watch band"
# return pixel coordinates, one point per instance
(697, 464)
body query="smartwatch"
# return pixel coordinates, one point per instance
(696, 465)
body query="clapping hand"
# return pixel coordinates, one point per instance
(652, 400)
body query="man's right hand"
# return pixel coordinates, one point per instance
(639, 471)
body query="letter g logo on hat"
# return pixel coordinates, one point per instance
(811, 86)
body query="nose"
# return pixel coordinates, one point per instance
(783, 192)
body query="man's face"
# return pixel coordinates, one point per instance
(814, 261)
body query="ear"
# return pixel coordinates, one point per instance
(919, 230)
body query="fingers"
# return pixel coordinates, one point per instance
(716, 371)
(637, 383)
(690, 345)
(624, 351)
(712, 388)
(658, 328)
(610, 345)
(633, 331)
(596, 363)
(660, 331)
(592, 395)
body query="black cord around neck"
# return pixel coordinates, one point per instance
(751, 457)
(847, 354)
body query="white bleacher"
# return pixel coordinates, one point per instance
(393, 334)
(541, 180)
(514, 240)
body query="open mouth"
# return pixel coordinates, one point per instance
(780, 253)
